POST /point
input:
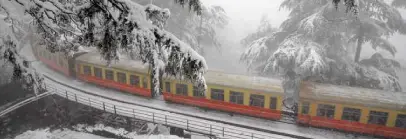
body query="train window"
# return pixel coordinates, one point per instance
(135, 80)
(217, 94)
(167, 86)
(121, 77)
(325, 110)
(305, 107)
(273, 103)
(257, 100)
(236, 97)
(197, 92)
(97, 72)
(87, 70)
(351, 114)
(401, 121)
(145, 82)
(109, 74)
(181, 89)
(377, 117)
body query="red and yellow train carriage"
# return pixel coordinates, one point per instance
(125, 75)
(254, 96)
(57, 61)
(345, 108)
(361, 110)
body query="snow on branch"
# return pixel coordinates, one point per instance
(113, 26)
(386, 81)
(299, 53)
(383, 44)
(255, 51)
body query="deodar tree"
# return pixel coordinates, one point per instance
(318, 40)
(259, 46)
(114, 27)
(198, 30)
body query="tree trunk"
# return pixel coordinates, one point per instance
(155, 86)
(358, 51)
(360, 41)
(359, 45)
(199, 36)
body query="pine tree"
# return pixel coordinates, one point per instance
(196, 30)
(258, 45)
(113, 27)
(316, 43)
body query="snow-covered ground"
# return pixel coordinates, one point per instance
(70, 134)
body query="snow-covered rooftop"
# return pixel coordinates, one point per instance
(354, 95)
(245, 82)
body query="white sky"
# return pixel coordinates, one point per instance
(245, 15)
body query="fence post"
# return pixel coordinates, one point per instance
(76, 98)
(166, 122)
(153, 117)
(104, 107)
(115, 112)
(133, 114)
(223, 131)
(187, 124)
(252, 135)
(90, 103)
(210, 129)
(66, 93)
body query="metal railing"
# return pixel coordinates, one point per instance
(173, 120)
(24, 102)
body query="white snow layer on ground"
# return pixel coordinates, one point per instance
(69, 134)
(221, 116)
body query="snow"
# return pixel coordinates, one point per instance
(57, 134)
(69, 134)
(305, 55)
(100, 127)
(255, 51)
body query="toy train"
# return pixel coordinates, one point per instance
(366, 111)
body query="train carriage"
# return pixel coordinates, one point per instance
(125, 75)
(254, 96)
(57, 61)
(361, 110)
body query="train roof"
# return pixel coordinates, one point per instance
(122, 64)
(260, 84)
(354, 95)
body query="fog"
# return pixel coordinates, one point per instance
(245, 17)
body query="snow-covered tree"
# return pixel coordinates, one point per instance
(196, 30)
(112, 26)
(258, 45)
(316, 43)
